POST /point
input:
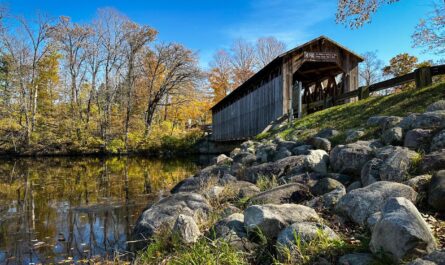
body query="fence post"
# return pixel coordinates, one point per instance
(363, 92)
(423, 77)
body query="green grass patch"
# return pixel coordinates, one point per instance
(267, 183)
(355, 115)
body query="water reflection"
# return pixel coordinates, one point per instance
(64, 209)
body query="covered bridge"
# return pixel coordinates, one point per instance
(308, 73)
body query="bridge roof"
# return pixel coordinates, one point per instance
(277, 61)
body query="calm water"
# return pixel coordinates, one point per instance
(62, 209)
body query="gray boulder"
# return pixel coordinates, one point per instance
(373, 219)
(266, 152)
(350, 158)
(374, 121)
(325, 185)
(433, 161)
(306, 231)
(326, 201)
(234, 152)
(272, 218)
(401, 232)
(434, 258)
(438, 141)
(246, 189)
(357, 259)
(186, 228)
(233, 223)
(223, 159)
(407, 122)
(302, 149)
(420, 184)
(429, 120)
(283, 152)
(436, 193)
(418, 139)
(317, 161)
(393, 136)
(361, 203)
(354, 185)
(275, 169)
(397, 165)
(353, 135)
(327, 133)
(321, 143)
(371, 171)
(164, 213)
(389, 122)
(289, 193)
(438, 105)
(289, 145)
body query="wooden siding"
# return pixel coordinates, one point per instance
(250, 114)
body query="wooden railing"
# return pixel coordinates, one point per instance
(422, 76)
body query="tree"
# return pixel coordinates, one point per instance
(401, 64)
(430, 32)
(243, 61)
(355, 13)
(168, 69)
(370, 68)
(267, 49)
(220, 75)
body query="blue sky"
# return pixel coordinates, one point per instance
(206, 26)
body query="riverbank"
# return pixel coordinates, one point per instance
(359, 183)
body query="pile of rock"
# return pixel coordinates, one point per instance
(375, 184)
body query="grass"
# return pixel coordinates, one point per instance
(355, 115)
(267, 183)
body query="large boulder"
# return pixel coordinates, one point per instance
(275, 169)
(222, 159)
(418, 139)
(232, 224)
(186, 228)
(420, 184)
(327, 133)
(434, 258)
(317, 161)
(350, 158)
(433, 161)
(272, 218)
(429, 120)
(436, 193)
(361, 203)
(266, 152)
(163, 214)
(302, 149)
(245, 189)
(393, 136)
(353, 135)
(438, 105)
(325, 185)
(397, 165)
(289, 145)
(438, 141)
(306, 232)
(371, 171)
(321, 143)
(281, 153)
(389, 122)
(401, 232)
(289, 193)
(328, 200)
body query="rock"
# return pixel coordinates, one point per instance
(420, 184)
(234, 152)
(438, 105)
(275, 169)
(272, 218)
(435, 258)
(266, 152)
(229, 210)
(244, 158)
(390, 122)
(223, 159)
(321, 143)
(438, 141)
(433, 161)
(325, 185)
(418, 139)
(246, 189)
(361, 203)
(288, 145)
(317, 161)
(214, 171)
(401, 232)
(342, 178)
(327, 133)
(373, 219)
(214, 193)
(282, 153)
(248, 146)
(350, 158)
(354, 185)
(393, 136)
(371, 171)
(397, 165)
(328, 200)
(436, 194)
(232, 223)
(186, 228)
(306, 231)
(375, 121)
(353, 135)
(302, 150)
(226, 179)
(289, 193)
(357, 259)
(164, 213)
(429, 120)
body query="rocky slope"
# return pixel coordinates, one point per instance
(374, 201)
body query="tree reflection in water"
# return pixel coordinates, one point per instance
(57, 209)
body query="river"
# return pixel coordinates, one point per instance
(67, 209)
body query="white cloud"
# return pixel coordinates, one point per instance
(288, 20)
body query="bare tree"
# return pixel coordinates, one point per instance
(370, 68)
(220, 75)
(168, 69)
(430, 32)
(267, 49)
(243, 61)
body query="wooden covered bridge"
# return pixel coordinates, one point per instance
(314, 71)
